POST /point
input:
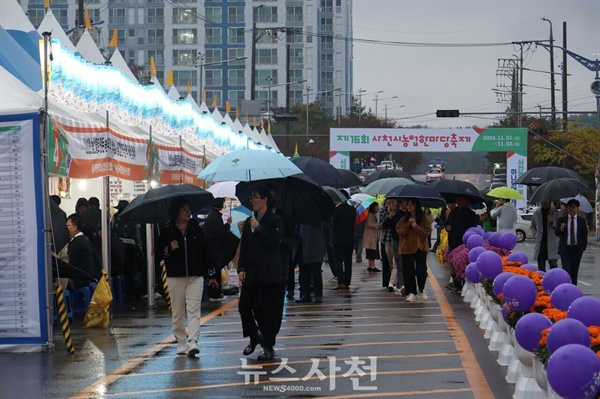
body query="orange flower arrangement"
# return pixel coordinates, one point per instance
(554, 314)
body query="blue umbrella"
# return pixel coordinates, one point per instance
(428, 196)
(249, 165)
(584, 204)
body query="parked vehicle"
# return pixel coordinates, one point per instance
(434, 174)
(523, 229)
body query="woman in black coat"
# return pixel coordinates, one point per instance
(259, 269)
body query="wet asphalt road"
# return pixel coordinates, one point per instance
(365, 342)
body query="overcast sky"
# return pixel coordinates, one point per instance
(429, 78)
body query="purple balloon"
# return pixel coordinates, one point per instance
(567, 331)
(472, 273)
(474, 230)
(553, 278)
(474, 241)
(572, 372)
(528, 330)
(529, 266)
(518, 256)
(564, 295)
(494, 239)
(543, 273)
(507, 241)
(520, 293)
(498, 285)
(466, 236)
(489, 264)
(585, 309)
(475, 252)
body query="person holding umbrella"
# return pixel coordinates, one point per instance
(259, 270)
(505, 214)
(546, 243)
(572, 232)
(182, 245)
(413, 230)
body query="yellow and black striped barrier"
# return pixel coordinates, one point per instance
(63, 320)
(163, 277)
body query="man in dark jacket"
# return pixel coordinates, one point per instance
(459, 220)
(80, 252)
(182, 246)
(342, 239)
(259, 269)
(92, 216)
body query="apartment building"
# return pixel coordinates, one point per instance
(299, 50)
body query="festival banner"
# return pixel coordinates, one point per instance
(58, 150)
(95, 150)
(178, 165)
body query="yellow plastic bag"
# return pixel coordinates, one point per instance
(97, 313)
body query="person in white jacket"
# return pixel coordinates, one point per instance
(505, 214)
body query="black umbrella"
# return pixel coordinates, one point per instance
(320, 171)
(385, 173)
(543, 174)
(428, 196)
(349, 178)
(450, 189)
(558, 188)
(153, 206)
(335, 194)
(299, 198)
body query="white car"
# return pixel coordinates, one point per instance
(522, 227)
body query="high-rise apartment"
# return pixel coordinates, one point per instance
(299, 49)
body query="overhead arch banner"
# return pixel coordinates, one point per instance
(513, 141)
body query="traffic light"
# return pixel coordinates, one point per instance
(447, 113)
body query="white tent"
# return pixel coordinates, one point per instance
(89, 50)
(50, 24)
(118, 61)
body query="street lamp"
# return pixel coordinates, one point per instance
(385, 109)
(202, 65)
(360, 94)
(377, 99)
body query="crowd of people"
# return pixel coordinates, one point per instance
(397, 232)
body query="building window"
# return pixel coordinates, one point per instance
(116, 16)
(235, 15)
(327, 24)
(296, 56)
(184, 16)
(214, 15)
(234, 53)
(149, 1)
(326, 43)
(61, 16)
(94, 14)
(266, 14)
(121, 37)
(209, 96)
(235, 77)
(214, 77)
(296, 75)
(296, 97)
(184, 57)
(235, 36)
(267, 56)
(156, 36)
(327, 78)
(236, 97)
(295, 36)
(213, 55)
(155, 15)
(159, 57)
(184, 36)
(181, 78)
(36, 16)
(213, 36)
(327, 60)
(266, 77)
(294, 14)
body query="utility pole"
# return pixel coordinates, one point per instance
(254, 40)
(564, 79)
(552, 82)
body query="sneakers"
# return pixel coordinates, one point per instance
(373, 270)
(181, 348)
(192, 349)
(391, 288)
(333, 280)
(358, 260)
(411, 298)
(218, 299)
(400, 291)
(423, 296)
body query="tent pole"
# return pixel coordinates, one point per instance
(45, 201)
(150, 243)
(106, 233)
